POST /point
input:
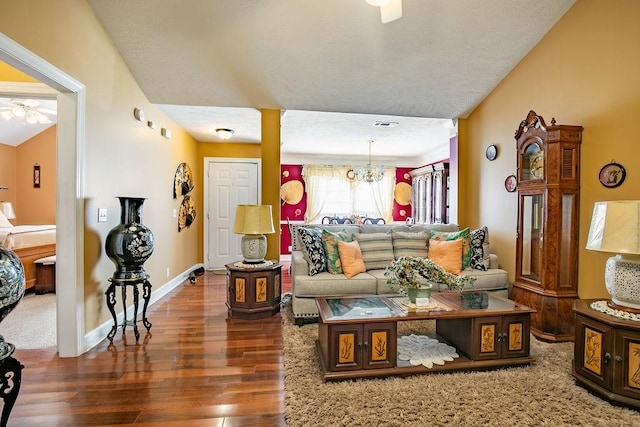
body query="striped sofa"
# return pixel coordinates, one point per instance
(306, 287)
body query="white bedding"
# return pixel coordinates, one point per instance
(25, 236)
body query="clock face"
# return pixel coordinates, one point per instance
(537, 165)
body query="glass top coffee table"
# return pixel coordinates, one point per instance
(357, 335)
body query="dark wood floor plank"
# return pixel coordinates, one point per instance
(196, 367)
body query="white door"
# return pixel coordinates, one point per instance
(230, 182)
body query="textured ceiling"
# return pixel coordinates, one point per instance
(211, 64)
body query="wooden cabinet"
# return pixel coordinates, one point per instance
(430, 186)
(607, 355)
(253, 293)
(488, 338)
(354, 346)
(546, 274)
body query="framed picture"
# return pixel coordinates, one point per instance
(492, 152)
(510, 183)
(612, 175)
(36, 176)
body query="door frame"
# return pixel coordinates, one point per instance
(70, 202)
(205, 195)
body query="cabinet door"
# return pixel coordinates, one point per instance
(345, 347)
(515, 336)
(486, 331)
(380, 345)
(627, 363)
(592, 351)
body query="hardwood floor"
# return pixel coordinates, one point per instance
(197, 367)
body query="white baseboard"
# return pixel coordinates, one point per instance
(94, 337)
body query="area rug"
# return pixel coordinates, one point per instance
(541, 394)
(32, 324)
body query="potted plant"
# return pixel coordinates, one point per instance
(409, 274)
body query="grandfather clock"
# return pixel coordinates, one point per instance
(546, 275)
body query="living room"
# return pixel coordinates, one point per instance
(582, 72)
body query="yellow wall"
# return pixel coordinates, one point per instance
(8, 158)
(10, 74)
(36, 205)
(583, 72)
(122, 157)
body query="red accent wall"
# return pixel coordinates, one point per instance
(295, 213)
(402, 212)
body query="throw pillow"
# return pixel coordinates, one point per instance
(330, 244)
(312, 249)
(410, 243)
(377, 249)
(447, 254)
(351, 258)
(464, 235)
(480, 249)
(4, 221)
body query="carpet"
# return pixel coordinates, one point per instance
(32, 324)
(541, 394)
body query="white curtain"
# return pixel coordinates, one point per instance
(318, 181)
(382, 194)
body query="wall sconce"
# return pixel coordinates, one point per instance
(225, 133)
(253, 222)
(165, 132)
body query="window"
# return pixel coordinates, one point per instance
(331, 193)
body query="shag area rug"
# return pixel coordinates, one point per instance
(32, 324)
(541, 394)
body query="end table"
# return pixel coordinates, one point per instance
(253, 292)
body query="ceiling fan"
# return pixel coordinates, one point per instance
(390, 10)
(26, 109)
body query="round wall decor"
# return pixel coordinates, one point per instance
(510, 183)
(612, 175)
(492, 152)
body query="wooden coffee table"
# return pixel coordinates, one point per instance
(357, 335)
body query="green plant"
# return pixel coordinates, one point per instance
(409, 272)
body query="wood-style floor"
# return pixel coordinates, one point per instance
(197, 367)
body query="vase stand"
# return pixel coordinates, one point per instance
(111, 301)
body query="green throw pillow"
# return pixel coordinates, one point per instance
(330, 244)
(464, 235)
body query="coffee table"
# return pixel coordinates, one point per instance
(357, 335)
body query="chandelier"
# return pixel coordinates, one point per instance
(369, 173)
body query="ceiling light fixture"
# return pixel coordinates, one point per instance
(369, 173)
(27, 110)
(225, 133)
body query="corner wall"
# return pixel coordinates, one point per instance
(583, 72)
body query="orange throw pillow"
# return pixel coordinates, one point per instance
(447, 254)
(350, 258)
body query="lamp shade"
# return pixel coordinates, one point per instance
(253, 219)
(7, 210)
(615, 227)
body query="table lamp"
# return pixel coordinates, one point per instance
(253, 222)
(615, 228)
(7, 210)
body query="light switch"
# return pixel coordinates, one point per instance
(175, 213)
(102, 215)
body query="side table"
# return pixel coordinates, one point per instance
(607, 354)
(111, 301)
(253, 292)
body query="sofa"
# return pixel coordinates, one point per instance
(309, 280)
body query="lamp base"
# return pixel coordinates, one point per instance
(622, 279)
(253, 248)
(615, 306)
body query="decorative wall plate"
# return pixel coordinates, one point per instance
(612, 175)
(492, 152)
(187, 212)
(183, 180)
(511, 183)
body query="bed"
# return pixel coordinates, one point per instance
(30, 243)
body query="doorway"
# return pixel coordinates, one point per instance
(69, 203)
(228, 182)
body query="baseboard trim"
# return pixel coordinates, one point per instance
(95, 337)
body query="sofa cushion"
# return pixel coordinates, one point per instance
(376, 248)
(410, 244)
(330, 245)
(464, 235)
(447, 254)
(312, 249)
(323, 284)
(350, 258)
(480, 249)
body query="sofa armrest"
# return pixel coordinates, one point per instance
(493, 261)
(299, 265)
